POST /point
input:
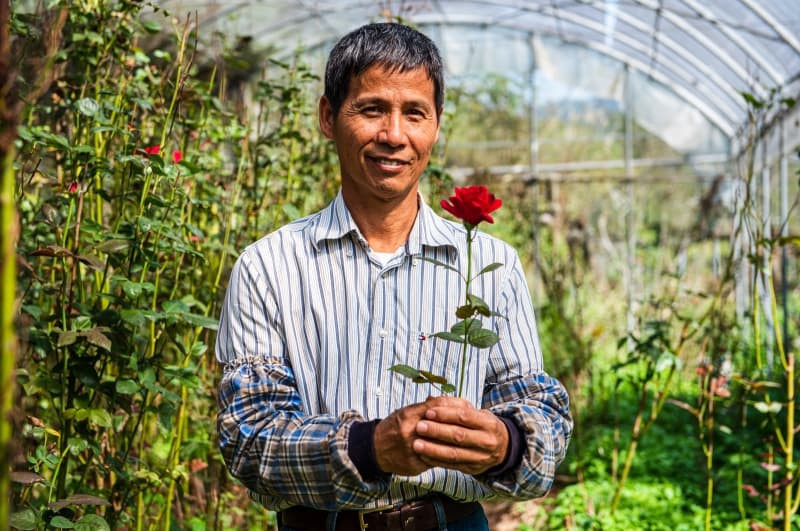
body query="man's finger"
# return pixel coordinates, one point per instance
(458, 458)
(469, 418)
(448, 401)
(456, 435)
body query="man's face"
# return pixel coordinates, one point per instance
(384, 132)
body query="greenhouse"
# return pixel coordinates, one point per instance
(647, 155)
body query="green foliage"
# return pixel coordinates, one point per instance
(648, 505)
(666, 485)
(123, 255)
(139, 180)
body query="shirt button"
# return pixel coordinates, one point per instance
(378, 391)
(383, 333)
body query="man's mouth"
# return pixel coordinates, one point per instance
(391, 163)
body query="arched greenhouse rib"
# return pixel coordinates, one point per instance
(706, 52)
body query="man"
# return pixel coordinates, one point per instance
(310, 419)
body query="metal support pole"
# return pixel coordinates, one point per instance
(534, 140)
(630, 233)
(533, 161)
(766, 266)
(783, 191)
(738, 234)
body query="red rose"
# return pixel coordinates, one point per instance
(472, 204)
(177, 156)
(152, 150)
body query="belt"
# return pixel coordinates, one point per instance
(415, 515)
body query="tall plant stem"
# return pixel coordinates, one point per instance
(709, 451)
(179, 81)
(10, 110)
(740, 466)
(770, 462)
(177, 437)
(8, 338)
(174, 456)
(789, 507)
(466, 299)
(140, 511)
(638, 431)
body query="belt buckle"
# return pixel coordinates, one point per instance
(362, 524)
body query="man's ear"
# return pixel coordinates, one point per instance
(439, 122)
(326, 117)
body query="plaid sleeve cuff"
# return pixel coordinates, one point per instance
(361, 450)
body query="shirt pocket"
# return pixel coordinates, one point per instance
(439, 356)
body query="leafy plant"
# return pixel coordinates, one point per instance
(138, 180)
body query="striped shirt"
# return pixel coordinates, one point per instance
(309, 328)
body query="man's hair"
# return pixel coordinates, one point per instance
(390, 45)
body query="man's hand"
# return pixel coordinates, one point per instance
(454, 434)
(442, 431)
(394, 441)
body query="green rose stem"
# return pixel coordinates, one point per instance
(468, 279)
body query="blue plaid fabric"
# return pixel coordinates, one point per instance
(310, 325)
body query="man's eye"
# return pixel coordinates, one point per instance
(371, 111)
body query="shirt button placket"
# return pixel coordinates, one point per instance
(375, 403)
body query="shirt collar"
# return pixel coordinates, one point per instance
(335, 222)
(429, 230)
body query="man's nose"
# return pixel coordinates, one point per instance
(392, 130)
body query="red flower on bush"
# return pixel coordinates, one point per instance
(472, 204)
(177, 156)
(153, 150)
(73, 187)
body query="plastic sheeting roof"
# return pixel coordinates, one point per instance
(705, 51)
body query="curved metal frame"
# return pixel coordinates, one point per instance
(683, 79)
(716, 115)
(679, 72)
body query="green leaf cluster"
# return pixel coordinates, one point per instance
(419, 377)
(470, 330)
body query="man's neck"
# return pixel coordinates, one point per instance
(385, 225)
